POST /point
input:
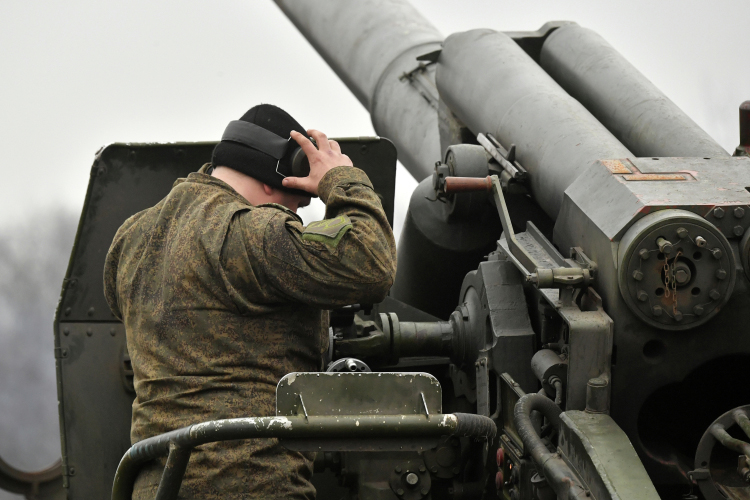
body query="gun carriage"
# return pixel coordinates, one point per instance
(569, 318)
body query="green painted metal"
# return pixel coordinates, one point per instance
(603, 457)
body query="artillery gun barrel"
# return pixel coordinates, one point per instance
(625, 101)
(371, 45)
(492, 85)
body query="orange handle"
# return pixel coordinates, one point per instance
(467, 184)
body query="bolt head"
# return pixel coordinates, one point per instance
(739, 212)
(698, 310)
(700, 241)
(738, 230)
(412, 479)
(677, 316)
(656, 310)
(721, 274)
(637, 275)
(424, 491)
(718, 212)
(682, 233)
(716, 252)
(400, 492)
(681, 276)
(644, 254)
(642, 295)
(422, 468)
(398, 470)
(714, 294)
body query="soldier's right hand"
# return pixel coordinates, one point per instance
(322, 159)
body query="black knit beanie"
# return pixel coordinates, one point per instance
(255, 163)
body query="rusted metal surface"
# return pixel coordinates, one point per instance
(617, 166)
(467, 184)
(656, 177)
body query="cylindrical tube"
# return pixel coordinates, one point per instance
(435, 255)
(296, 427)
(646, 121)
(424, 339)
(492, 85)
(370, 45)
(467, 184)
(744, 127)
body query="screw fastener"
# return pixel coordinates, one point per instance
(644, 254)
(637, 275)
(716, 253)
(721, 274)
(714, 294)
(665, 246)
(682, 232)
(698, 310)
(739, 212)
(738, 230)
(656, 310)
(677, 316)
(412, 479)
(700, 241)
(718, 212)
(642, 295)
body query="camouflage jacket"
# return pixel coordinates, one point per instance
(220, 299)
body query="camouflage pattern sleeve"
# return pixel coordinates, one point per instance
(350, 257)
(111, 264)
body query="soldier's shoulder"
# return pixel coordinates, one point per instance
(262, 219)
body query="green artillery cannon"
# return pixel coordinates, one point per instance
(573, 273)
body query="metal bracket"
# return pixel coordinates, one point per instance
(505, 158)
(483, 385)
(534, 255)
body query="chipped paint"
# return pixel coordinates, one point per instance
(291, 378)
(449, 421)
(283, 422)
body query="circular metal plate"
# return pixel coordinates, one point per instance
(676, 269)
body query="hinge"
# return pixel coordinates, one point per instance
(61, 352)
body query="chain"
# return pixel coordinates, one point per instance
(670, 283)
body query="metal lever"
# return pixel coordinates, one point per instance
(540, 276)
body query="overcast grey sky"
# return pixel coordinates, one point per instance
(78, 74)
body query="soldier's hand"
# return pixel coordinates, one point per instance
(327, 156)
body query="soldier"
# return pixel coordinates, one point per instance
(223, 291)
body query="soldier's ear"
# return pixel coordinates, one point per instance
(268, 190)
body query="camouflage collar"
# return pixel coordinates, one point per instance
(282, 207)
(202, 177)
